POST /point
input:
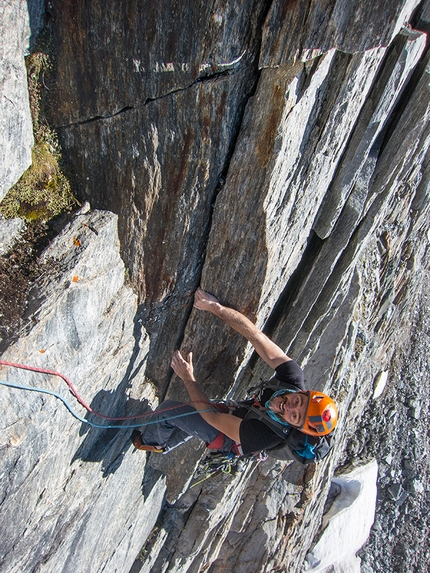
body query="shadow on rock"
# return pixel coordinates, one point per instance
(109, 446)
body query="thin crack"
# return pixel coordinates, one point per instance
(9, 100)
(96, 118)
(202, 78)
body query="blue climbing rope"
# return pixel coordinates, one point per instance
(94, 424)
(86, 406)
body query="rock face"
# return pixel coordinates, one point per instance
(10, 231)
(16, 130)
(20, 23)
(60, 477)
(396, 427)
(286, 173)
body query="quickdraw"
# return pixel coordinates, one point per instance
(228, 463)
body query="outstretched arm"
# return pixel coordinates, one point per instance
(268, 350)
(225, 423)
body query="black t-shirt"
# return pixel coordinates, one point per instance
(255, 435)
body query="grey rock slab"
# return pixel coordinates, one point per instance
(319, 355)
(294, 132)
(178, 466)
(363, 216)
(391, 79)
(166, 158)
(120, 54)
(351, 27)
(60, 480)
(408, 145)
(256, 517)
(16, 129)
(197, 524)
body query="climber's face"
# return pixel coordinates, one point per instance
(291, 407)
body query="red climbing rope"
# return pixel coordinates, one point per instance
(78, 397)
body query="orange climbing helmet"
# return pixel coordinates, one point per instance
(321, 415)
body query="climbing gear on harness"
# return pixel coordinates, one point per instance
(321, 415)
(216, 462)
(136, 438)
(213, 464)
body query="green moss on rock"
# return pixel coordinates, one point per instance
(43, 191)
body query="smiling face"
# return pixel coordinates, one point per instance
(291, 407)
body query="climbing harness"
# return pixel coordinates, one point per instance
(84, 404)
(215, 463)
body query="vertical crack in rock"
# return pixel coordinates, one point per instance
(404, 98)
(224, 168)
(294, 285)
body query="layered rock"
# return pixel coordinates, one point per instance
(348, 26)
(62, 480)
(297, 194)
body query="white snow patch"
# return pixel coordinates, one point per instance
(347, 523)
(380, 383)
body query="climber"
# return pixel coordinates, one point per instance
(285, 403)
